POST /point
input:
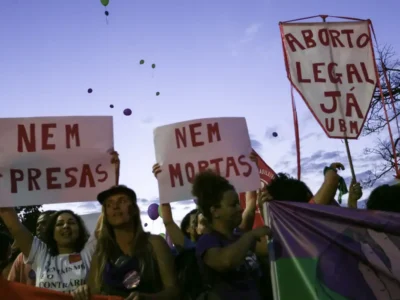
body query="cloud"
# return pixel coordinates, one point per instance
(248, 36)
(256, 145)
(250, 32)
(147, 120)
(319, 160)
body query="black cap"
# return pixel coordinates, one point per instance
(118, 189)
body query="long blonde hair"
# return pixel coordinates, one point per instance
(141, 249)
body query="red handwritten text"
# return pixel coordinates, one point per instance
(83, 177)
(27, 137)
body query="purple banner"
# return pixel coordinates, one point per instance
(325, 252)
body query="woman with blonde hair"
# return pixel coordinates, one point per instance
(128, 261)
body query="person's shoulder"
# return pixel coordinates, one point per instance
(211, 238)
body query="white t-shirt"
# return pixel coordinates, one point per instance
(64, 272)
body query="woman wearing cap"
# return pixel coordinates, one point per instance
(129, 262)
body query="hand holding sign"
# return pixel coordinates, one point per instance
(55, 159)
(221, 144)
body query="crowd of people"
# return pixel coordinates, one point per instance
(216, 253)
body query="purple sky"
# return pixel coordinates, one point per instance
(214, 58)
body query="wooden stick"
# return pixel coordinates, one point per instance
(353, 174)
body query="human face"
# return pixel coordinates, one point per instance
(41, 225)
(119, 210)
(66, 230)
(229, 211)
(201, 224)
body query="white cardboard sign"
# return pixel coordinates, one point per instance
(187, 148)
(332, 66)
(54, 159)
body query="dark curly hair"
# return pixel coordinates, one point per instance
(283, 187)
(5, 243)
(209, 188)
(385, 198)
(48, 236)
(185, 224)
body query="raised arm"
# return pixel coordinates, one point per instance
(222, 259)
(249, 212)
(327, 191)
(20, 233)
(173, 230)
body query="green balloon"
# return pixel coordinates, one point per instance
(163, 235)
(159, 211)
(141, 61)
(158, 94)
(153, 66)
(105, 2)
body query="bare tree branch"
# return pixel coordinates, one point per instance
(383, 152)
(376, 120)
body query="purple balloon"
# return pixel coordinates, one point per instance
(152, 211)
(127, 111)
(195, 201)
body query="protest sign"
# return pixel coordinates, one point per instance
(54, 159)
(187, 148)
(326, 252)
(266, 176)
(332, 67)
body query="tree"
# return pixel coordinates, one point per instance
(28, 215)
(376, 120)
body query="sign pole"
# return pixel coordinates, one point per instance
(346, 141)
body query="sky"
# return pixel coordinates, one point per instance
(213, 59)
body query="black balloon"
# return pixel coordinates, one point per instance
(274, 134)
(158, 94)
(106, 13)
(145, 224)
(127, 111)
(111, 106)
(89, 91)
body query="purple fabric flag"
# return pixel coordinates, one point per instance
(323, 252)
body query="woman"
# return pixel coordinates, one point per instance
(199, 225)
(187, 236)
(129, 262)
(62, 259)
(225, 256)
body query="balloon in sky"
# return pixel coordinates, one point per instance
(141, 61)
(89, 91)
(105, 2)
(127, 111)
(106, 13)
(111, 105)
(274, 134)
(195, 201)
(145, 224)
(153, 66)
(152, 211)
(158, 94)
